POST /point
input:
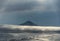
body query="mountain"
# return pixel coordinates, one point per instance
(28, 23)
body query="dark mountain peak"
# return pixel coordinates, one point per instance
(29, 23)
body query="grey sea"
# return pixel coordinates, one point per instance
(29, 37)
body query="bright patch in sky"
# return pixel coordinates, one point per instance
(42, 1)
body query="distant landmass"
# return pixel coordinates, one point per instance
(29, 23)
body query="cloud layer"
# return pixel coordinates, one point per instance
(19, 11)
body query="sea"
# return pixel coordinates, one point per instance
(29, 36)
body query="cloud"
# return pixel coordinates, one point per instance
(20, 6)
(1, 3)
(23, 5)
(28, 29)
(19, 11)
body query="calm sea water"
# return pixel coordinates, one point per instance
(29, 37)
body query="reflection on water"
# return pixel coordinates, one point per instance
(29, 37)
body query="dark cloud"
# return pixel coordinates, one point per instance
(22, 6)
(1, 3)
(19, 11)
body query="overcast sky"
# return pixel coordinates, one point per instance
(41, 12)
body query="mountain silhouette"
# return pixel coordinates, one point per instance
(28, 23)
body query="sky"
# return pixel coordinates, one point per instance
(40, 12)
